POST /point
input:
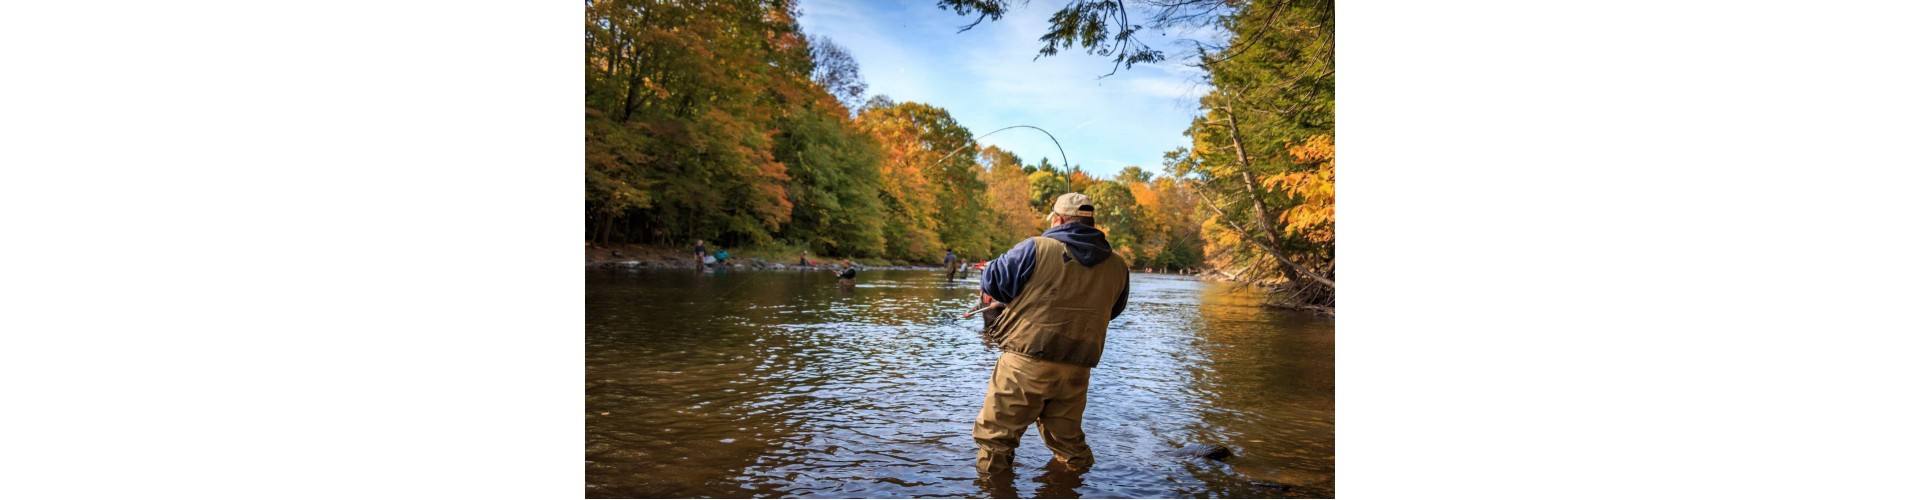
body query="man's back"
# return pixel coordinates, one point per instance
(1062, 312)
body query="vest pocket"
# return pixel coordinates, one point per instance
(1073, 336)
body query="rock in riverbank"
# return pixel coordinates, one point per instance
(1206, 451)
(1284, 479)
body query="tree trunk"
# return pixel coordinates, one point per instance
(606, 229)
(1288, 267)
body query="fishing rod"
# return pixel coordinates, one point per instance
(1056, 144)
(982, 307)
(977, 309)
(1064, 163)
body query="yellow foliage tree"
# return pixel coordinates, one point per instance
(1313, 217)
(1007, 197)
(1079, 181)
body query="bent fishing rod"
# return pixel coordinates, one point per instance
(994, 304)
(1056, 144)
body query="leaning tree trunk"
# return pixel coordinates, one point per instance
(1309, 290)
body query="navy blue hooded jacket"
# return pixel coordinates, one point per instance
(1005, 275)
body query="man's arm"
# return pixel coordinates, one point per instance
(1121, 305)
(1005, 275)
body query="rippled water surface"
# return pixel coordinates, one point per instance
(781, 384)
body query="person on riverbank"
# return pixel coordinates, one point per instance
(1058, 292)
(720, 258)
(700, 254)
(952, 262)
(803, 259)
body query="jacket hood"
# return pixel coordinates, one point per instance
(1088, 245)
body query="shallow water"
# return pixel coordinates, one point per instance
(781, 384)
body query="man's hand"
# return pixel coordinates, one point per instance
(988, 304)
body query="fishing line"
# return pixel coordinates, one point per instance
(737, 286)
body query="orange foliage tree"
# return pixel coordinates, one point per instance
(1312, 218)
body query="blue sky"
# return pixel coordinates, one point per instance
(988, 78)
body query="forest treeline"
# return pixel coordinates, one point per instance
(724, 121)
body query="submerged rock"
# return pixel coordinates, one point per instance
(1273, 485)
(1285, 478)
(1206, 451)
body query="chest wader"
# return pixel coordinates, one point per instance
(1051, 336)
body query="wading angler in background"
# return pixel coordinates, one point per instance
(845, 277)
(1058, 292)
(952, 262)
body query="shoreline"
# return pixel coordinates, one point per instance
(625, 256)
(629, 256)
(638, 257)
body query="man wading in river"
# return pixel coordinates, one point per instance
(1060, 289)
(953, 264)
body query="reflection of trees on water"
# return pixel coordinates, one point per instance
(1267, 379)
(683, 406)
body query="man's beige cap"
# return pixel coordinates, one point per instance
(1073, 204)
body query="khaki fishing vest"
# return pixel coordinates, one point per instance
(1062, 311)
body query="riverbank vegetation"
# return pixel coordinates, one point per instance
(723, 121)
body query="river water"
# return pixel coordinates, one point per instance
(782, 384)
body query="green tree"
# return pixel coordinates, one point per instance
(1043, 186)
(835, 181)
(1114, 210)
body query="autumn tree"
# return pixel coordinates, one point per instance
(678, 112)
(1009, 199)
(936, 197)
(1312, 217)
(1078, 181)
(1170, 224)
(1263, 149)
(723, 121)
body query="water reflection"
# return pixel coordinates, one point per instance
(1055, 480)
(782, 384)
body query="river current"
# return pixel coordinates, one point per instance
(782, 384)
